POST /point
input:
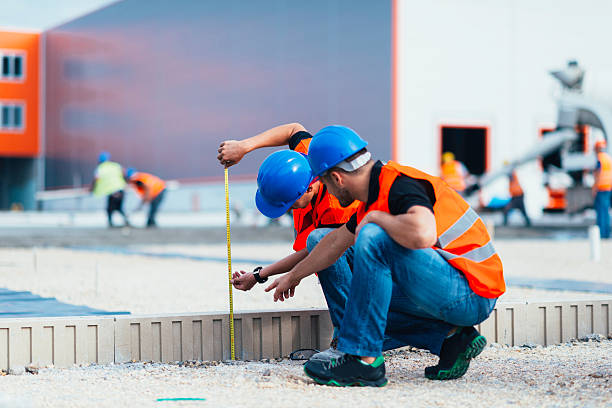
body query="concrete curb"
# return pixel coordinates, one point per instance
(64, 341)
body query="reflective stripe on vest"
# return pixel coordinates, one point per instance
(604, 183)
(452, 173)
(109, 179)
(514, 187)
(463, 239)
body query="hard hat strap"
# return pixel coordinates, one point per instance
(356, 163)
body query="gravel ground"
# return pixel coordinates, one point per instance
(575, 374)
(147, 285)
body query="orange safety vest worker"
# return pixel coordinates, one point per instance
(515, 187)
(150, 183)
(604, 182)
(453, 174)
(463, 239)
(325, 213)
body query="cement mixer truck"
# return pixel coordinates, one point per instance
(567, 149)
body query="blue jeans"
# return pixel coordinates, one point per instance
(602, 209)
(396, 296)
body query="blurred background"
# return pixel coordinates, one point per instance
(495, 94)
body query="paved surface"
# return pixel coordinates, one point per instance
(26, 304)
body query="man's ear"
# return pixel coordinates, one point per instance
(336, 176)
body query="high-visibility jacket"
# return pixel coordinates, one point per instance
(151, 184)
(515, 187)
(454, 174)
(325, 211)
(604, 183)
(463, 239)
(109, 179)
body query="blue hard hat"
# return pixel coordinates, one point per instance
(282, 179)
(130, 172)
(331, 145)
(104, 156)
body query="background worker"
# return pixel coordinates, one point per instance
(602, 188)
(109, 181)
(517, 198)
(418, 249)
(285, 182)
(150, 188)
(454, 172)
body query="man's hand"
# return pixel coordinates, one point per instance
(231, 152)
(243, 280)
(369, 217)
(285, 287)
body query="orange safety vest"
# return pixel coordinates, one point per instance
(326, 210)
(556, 199)
(452, 173)
(515, 187)
(604, 183)
(463, 239)
(152, 183)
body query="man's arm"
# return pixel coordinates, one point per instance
(416, 229)
(232, 151)
(327, 251)
(245, 280)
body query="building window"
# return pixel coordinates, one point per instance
(12, 116)
(12, 65)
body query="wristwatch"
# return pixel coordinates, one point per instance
(258, 278)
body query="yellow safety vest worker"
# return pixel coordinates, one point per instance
(109, 179)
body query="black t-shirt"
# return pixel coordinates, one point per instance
(297, 137)
(405, 193)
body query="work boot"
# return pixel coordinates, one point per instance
(347, 370)
(456, 353)
(327, 355)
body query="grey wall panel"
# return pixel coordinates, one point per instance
(160, 83)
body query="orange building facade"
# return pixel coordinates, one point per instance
(20, 118)
(19, 94)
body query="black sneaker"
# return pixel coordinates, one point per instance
(347, 370)
(456, 353)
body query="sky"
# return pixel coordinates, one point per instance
(39, 15)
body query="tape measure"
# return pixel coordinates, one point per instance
(229, 263)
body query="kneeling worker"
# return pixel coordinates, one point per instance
(418, 249)
(285, 182)
(151, 190)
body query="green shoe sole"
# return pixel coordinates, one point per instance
(462, 363)
(362, 383)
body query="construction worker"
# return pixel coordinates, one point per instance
(151, 190)
(602, 188)
(454, 172)
(109, 181)
(285, 182)
(419, 251)
(517, 198)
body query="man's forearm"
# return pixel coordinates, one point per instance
(277, 136)
(408, 230)
(327, 251)
(284, 265)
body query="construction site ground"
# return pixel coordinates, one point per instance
(175, 270)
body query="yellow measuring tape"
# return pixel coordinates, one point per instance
(229, 263)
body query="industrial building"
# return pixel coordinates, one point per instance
(159, 84)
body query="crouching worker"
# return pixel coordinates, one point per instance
(419, 252)
(151, 190)
(285, 182)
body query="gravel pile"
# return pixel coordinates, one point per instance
(575, 374)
